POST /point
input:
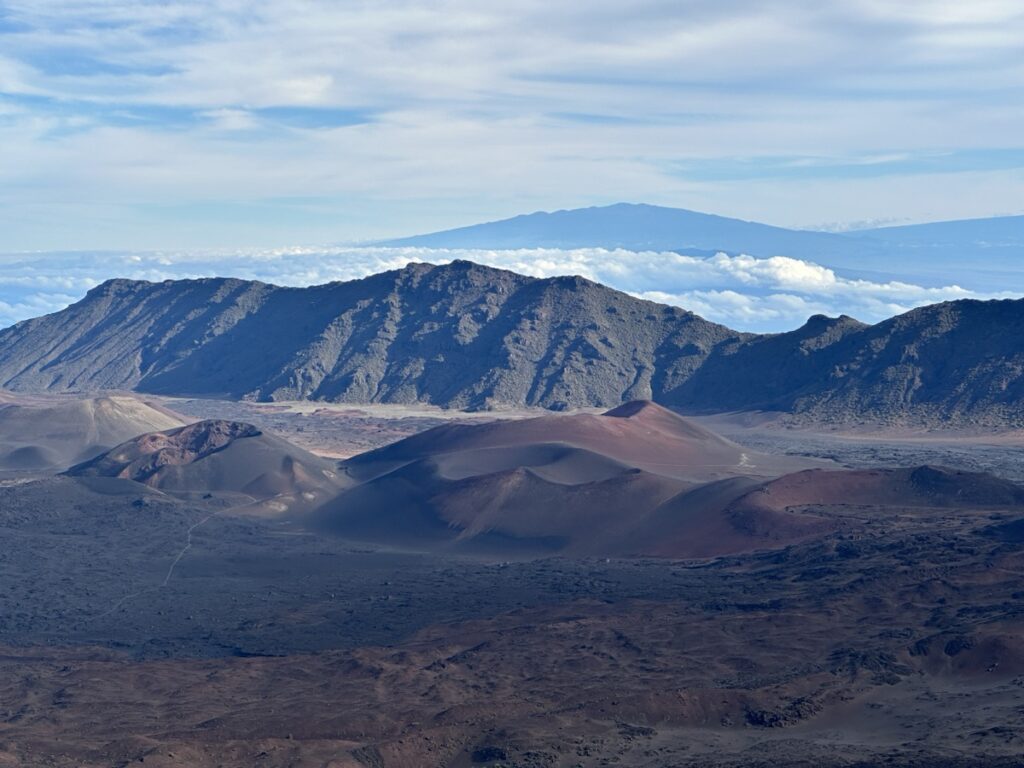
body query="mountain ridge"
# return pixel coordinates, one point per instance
(931, 254)
(614, 226)
(1010, 226)
(466, 336)
(513, 339)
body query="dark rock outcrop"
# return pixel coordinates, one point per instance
(467, 336)
(460, 335)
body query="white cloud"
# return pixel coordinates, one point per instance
(231, 119)
(477, 110)
(743, 292)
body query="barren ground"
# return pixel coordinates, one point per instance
(139, 629)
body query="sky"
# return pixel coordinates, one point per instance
(220, 123)
(275, 139)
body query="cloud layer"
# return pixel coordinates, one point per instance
(743, 292)
(186, 123)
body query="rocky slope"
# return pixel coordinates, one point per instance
(459, 335)
(223, 457)
(468, 336)
(38, 433)
(959, 362)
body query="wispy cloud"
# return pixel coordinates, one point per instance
(743, 292)
(857, 166)
(118, 118)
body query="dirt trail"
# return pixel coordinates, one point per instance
(167, 577)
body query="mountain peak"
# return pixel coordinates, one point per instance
(638, 227)
(216, 455)
(636, 408)
(115, 285)
(819, 323)
(462, 335)
(193, 442)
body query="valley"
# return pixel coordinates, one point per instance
(176, 614)
(511, 385)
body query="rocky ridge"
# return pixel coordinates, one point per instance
(463, 335)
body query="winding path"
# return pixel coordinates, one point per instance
(167, 577)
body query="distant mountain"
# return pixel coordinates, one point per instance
(996, 232)
(927, 254)
(468, 336)
(986, 253)
(638, 227)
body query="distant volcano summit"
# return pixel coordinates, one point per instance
(920, 253)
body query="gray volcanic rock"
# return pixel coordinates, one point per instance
(959, 362)
(460, 335)
(467, 336)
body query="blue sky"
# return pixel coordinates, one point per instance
(272, 140)
(151, 125)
